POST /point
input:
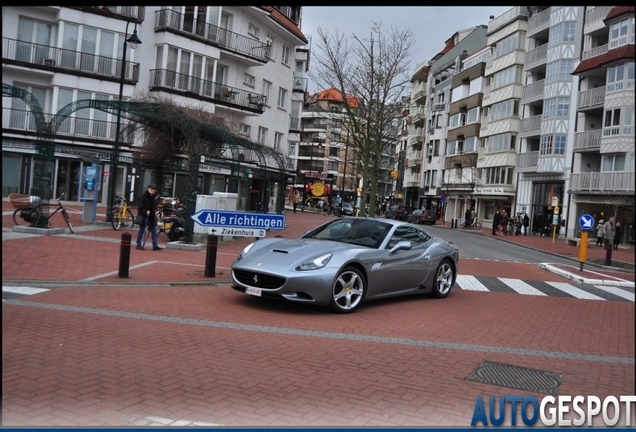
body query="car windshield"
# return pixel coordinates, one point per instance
(361, 232)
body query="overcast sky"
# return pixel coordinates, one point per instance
(432, 25)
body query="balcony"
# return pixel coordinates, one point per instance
(592, 98)
(527, 162)
(416, 139)
(599, 50)
(418, 113)
(533, 92)
(530, 126)
(588, 140)
(536, 57)
(53, 59)
(539, 22)
(294, 124)
(506, 18)
(609, 183)
(440, 106)
(137, 13)
(72, 127)
(221, 94)
(178, 23)
(595, 14)
(300, 84)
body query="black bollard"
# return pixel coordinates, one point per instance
(124, 255)
(210, 255)
(608, 254)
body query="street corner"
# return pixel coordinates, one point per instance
(590, 277)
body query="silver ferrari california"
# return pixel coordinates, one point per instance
(344, 262)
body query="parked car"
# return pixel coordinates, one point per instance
(399, 212)
(341, 264)
(423, 217)
(346, 209)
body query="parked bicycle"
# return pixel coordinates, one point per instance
(475, 225)
(121, 214)
(29, 211)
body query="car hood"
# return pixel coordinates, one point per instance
(293, 251)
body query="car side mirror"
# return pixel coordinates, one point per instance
(401, 245)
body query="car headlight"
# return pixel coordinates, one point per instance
(316, 263)
(245, 251)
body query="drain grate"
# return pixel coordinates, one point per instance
(516, 377)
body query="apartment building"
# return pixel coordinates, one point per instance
(245, 65)
(462, 178)
(602, 179)
(442, 68)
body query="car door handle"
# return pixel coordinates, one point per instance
(427, 257)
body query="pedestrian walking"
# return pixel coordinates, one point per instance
(473, 215)
(467, 222)
(608, 232)
(600, 232)
(618, 234)
(504, 222)
(147, 217)
(295, 199)
(496, 220)
(518, 223)
(525, 220)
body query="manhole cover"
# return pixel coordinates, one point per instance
(516, 377)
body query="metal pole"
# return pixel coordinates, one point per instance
(113, 177)
(344, 171)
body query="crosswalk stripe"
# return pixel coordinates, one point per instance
(23, 290)
(573, 291)
(616, 291)
(470, 283)
(521, 287)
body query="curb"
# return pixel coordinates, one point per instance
(572, 276)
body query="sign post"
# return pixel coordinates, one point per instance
(586, 222)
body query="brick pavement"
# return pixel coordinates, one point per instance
(140, 352)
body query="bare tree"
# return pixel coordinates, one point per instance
(371, 76)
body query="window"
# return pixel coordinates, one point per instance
(267, 87)
(612, 122)
(249, 80)
(285, 55)
(552, 144)
(454, 121)
(473, 115)
(501, 142)
(619, 31)
(269, 48)
(511, 43)
(470, 144)
(616, 75)
(337, 123)
(499, 176)
(262, 135)
(252, 30)
(510, 75)
(559, 70)
(278, 140)
(505, 109)
(562, 32)
(613, 163)
(556, 107)
(245, 129)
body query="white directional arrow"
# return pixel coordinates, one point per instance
(586, 222)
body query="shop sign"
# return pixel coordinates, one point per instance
(489, 191)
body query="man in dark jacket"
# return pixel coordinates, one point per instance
(496, 220)
(146, 209)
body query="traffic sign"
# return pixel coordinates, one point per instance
(586, 222)
(236, 232)
(233, 219)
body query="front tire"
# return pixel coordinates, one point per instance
(116, 220)
(444, 279)
(129, 222)
(348, 291)
(477, 226)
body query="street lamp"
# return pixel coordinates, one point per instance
(134, 42)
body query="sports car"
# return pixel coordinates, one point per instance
(347, 261)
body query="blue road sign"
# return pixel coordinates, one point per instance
(586, 222)
(233, 219)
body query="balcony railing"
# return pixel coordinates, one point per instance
(533, 91)
(163, 79)
(300, 83)
(601, 49)
(530, 125)
(76, 62)
(167, 19)
(441, 106)
(539, 22)
(71, 127)
(537, 55)
(138, 13)
(527, 160)
(506, 17)
(588, 140)
(591, 98)
(603, 182)
(294, 124)
(597, 13)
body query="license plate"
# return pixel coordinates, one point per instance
(166, 226)
(253, 291)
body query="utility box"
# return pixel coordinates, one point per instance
(226, 200)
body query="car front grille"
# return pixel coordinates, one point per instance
(258, 280)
